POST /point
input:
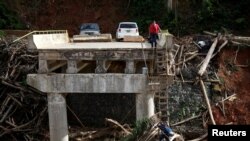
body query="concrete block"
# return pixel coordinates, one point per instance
(88, 83)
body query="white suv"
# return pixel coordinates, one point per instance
(126, 29)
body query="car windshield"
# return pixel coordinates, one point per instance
(127, 25)
(89, 27)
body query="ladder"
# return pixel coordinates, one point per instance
(164, 72)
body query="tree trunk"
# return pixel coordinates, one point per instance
(208, 57)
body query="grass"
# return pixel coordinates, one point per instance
(139, 127)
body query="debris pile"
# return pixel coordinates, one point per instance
(23, 109)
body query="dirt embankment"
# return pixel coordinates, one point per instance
(234, 71)
(69, 14)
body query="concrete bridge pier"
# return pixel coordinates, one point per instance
(58, 123)
(144, 106)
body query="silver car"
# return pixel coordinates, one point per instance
(89, 29)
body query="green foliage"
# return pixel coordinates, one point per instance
(218, 14)
(139, 127)
(213, 15)
(8, 18)
(1, 33)
(145, 11)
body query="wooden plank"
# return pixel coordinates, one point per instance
(92, 38)
(133, 39)
(55, 65)
(81, 65)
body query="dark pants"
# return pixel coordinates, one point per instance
(162, 136)
(153, 38)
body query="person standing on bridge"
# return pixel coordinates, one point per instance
(154, 29)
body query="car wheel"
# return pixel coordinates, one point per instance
(119, 39)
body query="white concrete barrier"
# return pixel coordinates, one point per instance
(45, 39)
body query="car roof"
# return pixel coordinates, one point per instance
(89, 26)
(89, 23)
(127, 23)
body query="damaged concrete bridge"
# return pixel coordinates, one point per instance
(57, 52)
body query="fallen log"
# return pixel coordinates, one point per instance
(208, 57)
(179, 58)
(240, 39)
(204, 92)
(234, 43)
(186, 120)
(210, 33)
(119, 125)
(188, 59)
(218, 51)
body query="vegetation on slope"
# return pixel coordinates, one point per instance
(186, 16)
(192, 16)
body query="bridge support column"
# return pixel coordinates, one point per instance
(58, 124)
(130, 67)
(100, 66)
(43, 66)
(72, 66)
(144, 106)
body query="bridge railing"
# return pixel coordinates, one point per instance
(41, 32)
(45, 38)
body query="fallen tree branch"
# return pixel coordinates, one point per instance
(204, 92)
(236, 54)
(210, 33)
(221, 46)
(208, 57)
(75, 116)
(119, 125)
(188, 59)
(240, 39)
(186, 120)
(239, 44)
(150, 134)
(13, 86)
(227, 98)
